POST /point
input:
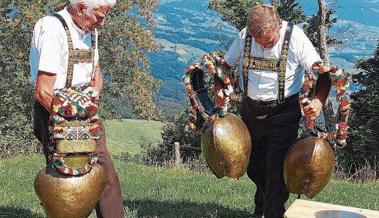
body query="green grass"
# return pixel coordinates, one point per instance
(150, 191)
(127, 136)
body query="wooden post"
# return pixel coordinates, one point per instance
(178, 159)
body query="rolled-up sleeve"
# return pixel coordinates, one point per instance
(234, 52)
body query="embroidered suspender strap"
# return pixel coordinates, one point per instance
(283, 62)
(70, 67)
(246, 62)
(76, 55)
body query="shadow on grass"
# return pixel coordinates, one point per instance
(13, 212)
(185, 209)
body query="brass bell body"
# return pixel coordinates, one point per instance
(67, 196)
(226, 146)
(308, 166)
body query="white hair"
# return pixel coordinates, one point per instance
(92, 4)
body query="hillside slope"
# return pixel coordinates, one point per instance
(129, 136)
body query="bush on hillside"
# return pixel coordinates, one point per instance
(175, 132)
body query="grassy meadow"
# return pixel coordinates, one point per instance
(168, 192)
(127, 136)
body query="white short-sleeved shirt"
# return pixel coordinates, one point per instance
(262, 84)
(49, 50)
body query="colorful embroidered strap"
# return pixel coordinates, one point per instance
(74, 130)
(197, 81)
(74, 122)
(341, 80)
(77, 55)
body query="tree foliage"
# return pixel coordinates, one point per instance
(124, 43)
(363, 138)
(310, 28)
(236, 11)
(289, 10)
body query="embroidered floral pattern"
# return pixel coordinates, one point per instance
(341, 81)
(74, 118)
(72, 102)
(212, 64)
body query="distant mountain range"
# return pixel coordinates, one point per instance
(357, 26)
(188, 29)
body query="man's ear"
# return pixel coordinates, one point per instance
(82, 8)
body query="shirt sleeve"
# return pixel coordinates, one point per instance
(234, 52)
(49, 47)
(306, 52)
(34, 52)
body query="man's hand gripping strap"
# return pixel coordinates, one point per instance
(197, 83)
(341, 81)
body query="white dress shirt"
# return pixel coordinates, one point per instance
(263, 84)
(49, 50)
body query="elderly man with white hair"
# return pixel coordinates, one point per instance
(55, 38)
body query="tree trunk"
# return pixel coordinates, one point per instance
(322, 30)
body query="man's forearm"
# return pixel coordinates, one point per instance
(44, 89)
(323, 87)
(97, 81)
(45, 99)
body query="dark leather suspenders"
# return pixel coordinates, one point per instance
(283, 62)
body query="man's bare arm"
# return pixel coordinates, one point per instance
(312, 111)
(97, 80)
(44, 89)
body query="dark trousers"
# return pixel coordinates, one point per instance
(273, 129)
(110, 203)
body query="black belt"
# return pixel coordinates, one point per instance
(273, 103)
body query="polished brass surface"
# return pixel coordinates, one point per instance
(76, 161)
(226, 146)
(69, 197)
(76, 146)
(308, 166)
